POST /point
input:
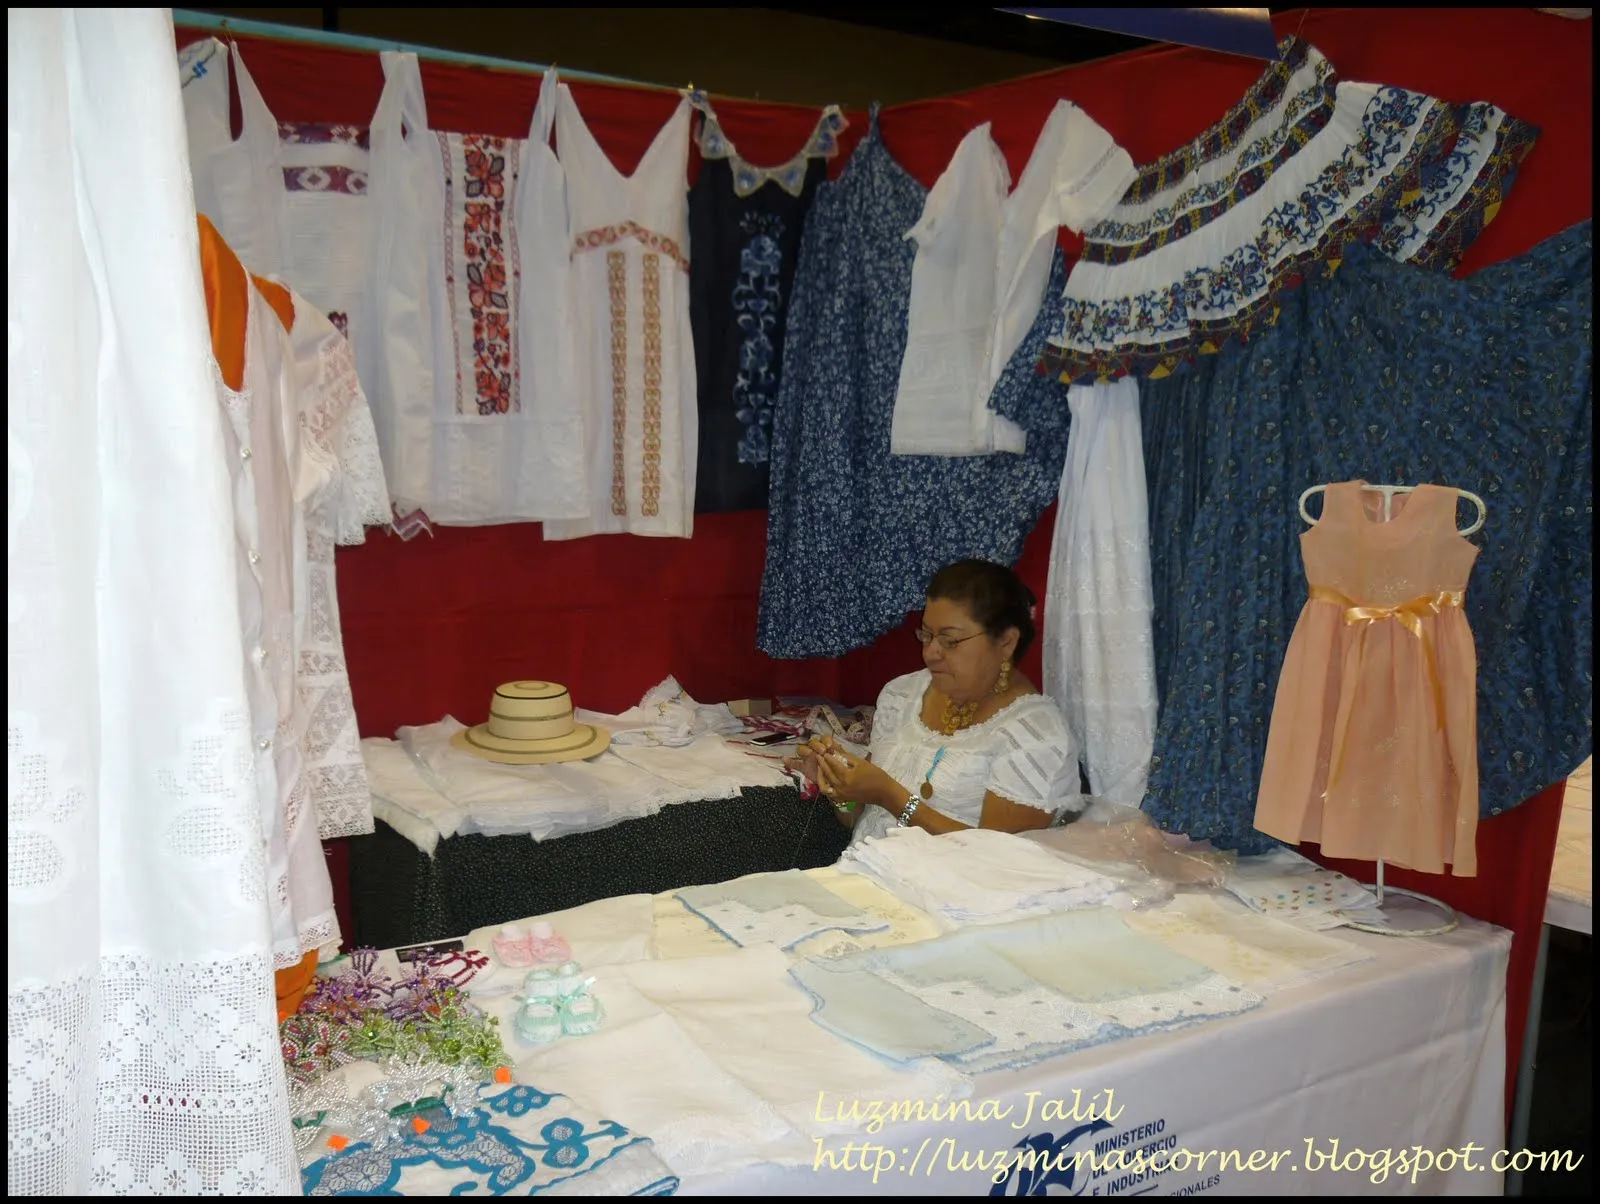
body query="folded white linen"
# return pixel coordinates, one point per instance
(1256, 951)
(546, 801)
(977, 876)
(1011, 995)
(681, 933)
(542, 801)
(397, 785)
(706, 767)
(716, 1058)
(781, 909)
(666, 716)
(754, 1022)
(424, 835)
(643, 1071)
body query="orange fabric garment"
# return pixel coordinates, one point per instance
(227, 287)
(228, 302)
(293, 983)
(1373, 749)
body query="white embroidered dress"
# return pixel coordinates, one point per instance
(630, 310)
(262, 447)
(294, 494)
(476, 408)
(339, 492)
(1024, 754)
(142, 1054)
(983, 259)
(1099, 640)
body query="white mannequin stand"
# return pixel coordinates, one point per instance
(1449, 918)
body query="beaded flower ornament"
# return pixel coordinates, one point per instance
(363, 1014)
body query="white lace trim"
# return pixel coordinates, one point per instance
(339, 432)
(331, 741)
(187, 1096)
(748, 178)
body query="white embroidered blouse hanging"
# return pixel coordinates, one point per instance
(339, 493)
(291, 198)
(630, 311)
(983, 259)
(476, 408)
(264, 457)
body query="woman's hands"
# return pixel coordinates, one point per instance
(804, 762)
(845, 777)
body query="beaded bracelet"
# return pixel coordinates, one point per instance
(912, 804)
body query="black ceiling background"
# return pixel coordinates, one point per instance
(969, 25)
(975, 25)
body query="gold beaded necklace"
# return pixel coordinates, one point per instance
(958, 716)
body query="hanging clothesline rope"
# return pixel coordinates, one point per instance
(342, 41)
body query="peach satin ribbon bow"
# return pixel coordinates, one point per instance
(1410, 616)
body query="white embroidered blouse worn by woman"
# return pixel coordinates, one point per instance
(967, 742)
(1020, 754)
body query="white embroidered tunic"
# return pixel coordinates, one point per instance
(476, 406)
(630, 311)
(290, 198)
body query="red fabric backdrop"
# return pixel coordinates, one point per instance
(431, 625)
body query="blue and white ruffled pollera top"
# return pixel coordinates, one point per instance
(1208, 237)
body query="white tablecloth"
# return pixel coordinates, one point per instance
(1406, 1050)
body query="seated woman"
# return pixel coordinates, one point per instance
(967, 742)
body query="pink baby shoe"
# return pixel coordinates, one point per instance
(547, 947)
(512, 946)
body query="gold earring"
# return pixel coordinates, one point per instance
(1005, 677)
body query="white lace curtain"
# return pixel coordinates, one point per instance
(1099, 644)
(141, 1036)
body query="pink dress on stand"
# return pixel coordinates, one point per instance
(1373, 750)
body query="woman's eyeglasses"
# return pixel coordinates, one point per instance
(947, 642)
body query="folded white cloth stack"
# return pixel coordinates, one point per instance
(977, 876)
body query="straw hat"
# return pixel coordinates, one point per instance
(530, 723)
